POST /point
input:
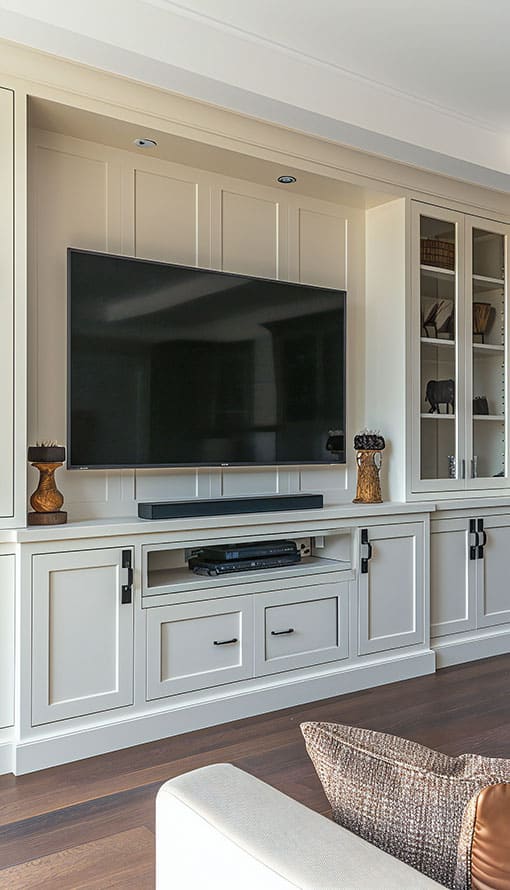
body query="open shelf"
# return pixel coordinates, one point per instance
(488, 348)
(182, 579)
(437, 271)
(166, 572)
(436, 341)
(484, 282)
(499, 417)
(437, 416)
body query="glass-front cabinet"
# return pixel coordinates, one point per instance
(458, 351)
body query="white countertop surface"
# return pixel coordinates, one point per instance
(129, 526)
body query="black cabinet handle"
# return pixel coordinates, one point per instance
(279, 633)
(225, 642)
(126, 596)
(480, 535)
(368, 553)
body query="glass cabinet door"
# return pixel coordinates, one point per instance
(486, 324)
(441, 403)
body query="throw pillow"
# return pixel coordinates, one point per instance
(417, 804)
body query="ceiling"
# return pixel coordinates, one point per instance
(423, 82)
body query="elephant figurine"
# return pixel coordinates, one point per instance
(440, 392)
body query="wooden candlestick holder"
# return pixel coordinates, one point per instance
(368, 489)
(47, 499)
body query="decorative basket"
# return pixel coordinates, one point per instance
(437, 253)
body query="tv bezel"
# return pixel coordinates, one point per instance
(341, 456)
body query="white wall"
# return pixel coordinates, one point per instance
(91, 196)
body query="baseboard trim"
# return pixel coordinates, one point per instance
(6, 758)
(77, 744)
(471, 646)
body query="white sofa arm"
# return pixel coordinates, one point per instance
(219, 827)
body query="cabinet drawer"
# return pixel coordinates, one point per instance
(197, 645)
(297, 628)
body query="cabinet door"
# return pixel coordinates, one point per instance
(198, 645)
(438, 406)
(82, 635)
(6, 304)
(7, 568)
(391, 588)
(486, 336)
(296, 628)
(452, 578)
(493, 587)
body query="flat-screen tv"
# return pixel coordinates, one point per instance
(172, 366)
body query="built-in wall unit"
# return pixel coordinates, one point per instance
(107, 639)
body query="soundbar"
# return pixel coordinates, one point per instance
(228, 506)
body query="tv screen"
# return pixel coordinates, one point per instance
(177, 366)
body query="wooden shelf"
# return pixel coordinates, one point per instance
(438, 272)
(436, 341)
(437, 416)
(500, 417)
(488, 349)
(181, 579)
(484, 282)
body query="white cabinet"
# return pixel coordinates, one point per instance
(391, 587)
(198, 645)
(452, 577)
(469, 586)
(6, 303)
(296, 628)
(493, 583)
(7, 588)
(82, 633)
(459, 336)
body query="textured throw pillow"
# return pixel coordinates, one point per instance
(416, 804)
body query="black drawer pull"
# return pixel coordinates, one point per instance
(278, 633)
(225, 642)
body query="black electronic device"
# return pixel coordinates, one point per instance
(251, 550)
(176, 366)
(204, 567)
(226, 506)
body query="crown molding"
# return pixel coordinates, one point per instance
(265, 82)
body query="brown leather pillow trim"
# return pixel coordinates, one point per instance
(490, 848)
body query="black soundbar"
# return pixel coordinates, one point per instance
(227, 506)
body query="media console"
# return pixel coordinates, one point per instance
(123, 644)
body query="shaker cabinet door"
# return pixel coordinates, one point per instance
(6, 304)
(493, 592)
(391, 587)
(82, 635)
(452, 578)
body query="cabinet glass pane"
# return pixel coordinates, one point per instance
(438, 348)
(488, 354)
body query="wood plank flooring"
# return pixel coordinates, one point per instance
(91, 824)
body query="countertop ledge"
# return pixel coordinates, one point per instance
(129, 526)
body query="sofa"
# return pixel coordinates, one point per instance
(219, 827)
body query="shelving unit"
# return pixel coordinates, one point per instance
(462, 346)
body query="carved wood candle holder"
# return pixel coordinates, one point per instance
(47, 499)
(368, 488)
(369, 447)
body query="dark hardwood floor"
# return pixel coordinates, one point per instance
(91, 824)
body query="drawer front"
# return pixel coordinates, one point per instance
(298, 628)
(198, 645)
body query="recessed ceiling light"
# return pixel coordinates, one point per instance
(145, 143)
(286, 180)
